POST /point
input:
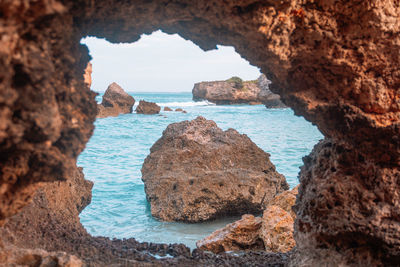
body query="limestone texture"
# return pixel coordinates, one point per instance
(198, 172)
(236, 91)
(115, 101)
(145, 107)
(335, 62)
(240, 235)
(277, 230)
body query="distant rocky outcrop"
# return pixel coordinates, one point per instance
(197, 172)
(271, 232)
(168, 109)
(145, 107)
(269, 99)
(115, 101)
(87, 76)
(237, 91)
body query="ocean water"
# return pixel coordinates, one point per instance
(115, 153)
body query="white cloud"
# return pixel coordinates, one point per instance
(162, 62)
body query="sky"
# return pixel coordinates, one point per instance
(162, 62)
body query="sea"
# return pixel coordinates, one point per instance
(115, 153)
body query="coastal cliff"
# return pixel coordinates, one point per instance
(237, 91)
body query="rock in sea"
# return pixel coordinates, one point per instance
(115, 101)
(145, 107)
(197, 172)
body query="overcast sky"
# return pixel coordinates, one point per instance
(162, 63)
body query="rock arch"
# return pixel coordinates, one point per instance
(334, 62)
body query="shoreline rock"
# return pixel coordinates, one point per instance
(274, 229)
(115, 101)
(197, 172)
(237, 91)
(145, 107)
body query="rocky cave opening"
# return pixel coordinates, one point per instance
(115, 153)
(333, 62)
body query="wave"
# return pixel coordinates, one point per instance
(186, 104)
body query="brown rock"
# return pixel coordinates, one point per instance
(197, 172)
(240, 235)
(87, 76)
(115, 101)
(13, 256)
(286, 201)
(179, 109)
(167, 109)
(145, 107)
(335, 63)
(277, 230)
(276, 239)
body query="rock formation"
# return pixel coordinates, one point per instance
(274, 229)
(167, 109)
(87, 76)
(115, 101)
(243, 234)
(277, 230)
(265, 96)
(197, 172)
(236, 91)
(145, 107)
(334, 62)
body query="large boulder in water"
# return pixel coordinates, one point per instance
(145, 107)
(115, 101)
(197, 172)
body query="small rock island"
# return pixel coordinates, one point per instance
(237, 91)
(115, 101)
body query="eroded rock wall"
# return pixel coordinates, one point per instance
(334, 62)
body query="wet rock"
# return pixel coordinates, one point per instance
(277, 230)
(145, 107)
(178, 109)
(115, 101)
(197, 172)
(240, 235)
(168, 109)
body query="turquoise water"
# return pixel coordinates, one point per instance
(115, 153)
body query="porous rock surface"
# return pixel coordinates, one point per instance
(236, 91)
(145, 107)
(271, 232)
(277, 229)
(115, 101)
(334, 62)
(197, 172)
